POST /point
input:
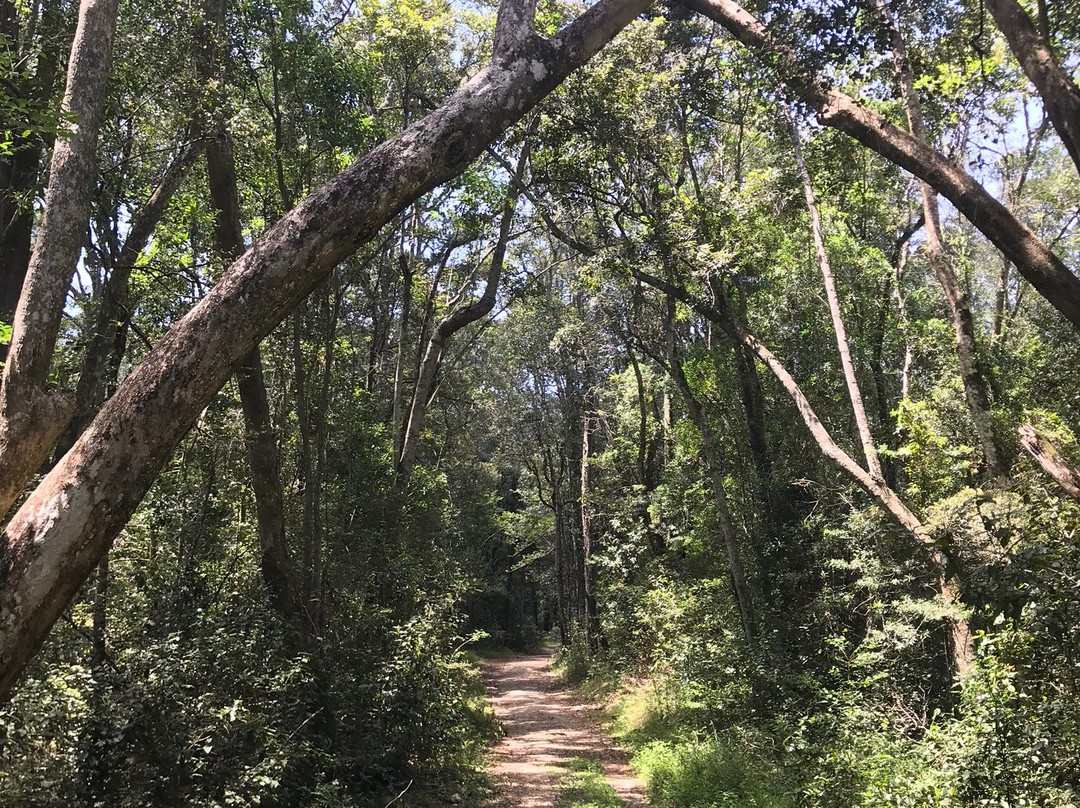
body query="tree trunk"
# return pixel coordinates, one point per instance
(956, 297)
(561, 594)
(753, 402)
(842, 345)
(882, 388)
(399, 366)
(31, 419)
(447, 327)
(318, 420)
(19, 172)
(60, 533)
(962, 648)
(1059, 93)
(744, 599)
(1050, 460)
(305, 471)
(259, 434)
(1034, 260)
(588, 579)
(108, 339)
(96, 766)
(900, 260)
(261, 440)
(643, 475)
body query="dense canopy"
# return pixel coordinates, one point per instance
(734, 348)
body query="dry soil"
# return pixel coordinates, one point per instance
(547, 725)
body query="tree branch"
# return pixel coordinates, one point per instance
(1050, 460)
(1033, 258)
(56, 538)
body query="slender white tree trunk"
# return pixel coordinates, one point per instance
(873, 464)
(32, 419)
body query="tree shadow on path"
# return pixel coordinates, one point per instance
(546, 728)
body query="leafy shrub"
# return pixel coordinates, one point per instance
(711, 773)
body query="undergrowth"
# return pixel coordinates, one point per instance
(586, 787)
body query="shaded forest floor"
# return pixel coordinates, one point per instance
(552, 753)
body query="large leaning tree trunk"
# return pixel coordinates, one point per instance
(32, 419)
(957, 300)
(1017, 242)
(1060, 95)
(961, 642)
(69, 521)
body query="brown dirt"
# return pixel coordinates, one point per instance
(546, 725)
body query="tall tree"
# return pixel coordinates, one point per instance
(453, 322)
(957, 299)
(55, 539)
(862, 423)
(31, 418)
(961, 643)
(1033, 258)
(229, 244)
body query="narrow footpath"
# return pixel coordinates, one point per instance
(547, 726)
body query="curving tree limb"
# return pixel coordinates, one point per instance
(1031, 256)
(1043, 452)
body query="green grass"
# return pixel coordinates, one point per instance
(586, 787)
(687, 764)
(709, 773)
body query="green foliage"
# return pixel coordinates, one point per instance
(586, 787)
(709, 774)
(561, 486)
(933, 461)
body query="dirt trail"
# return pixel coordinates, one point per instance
(546, 725)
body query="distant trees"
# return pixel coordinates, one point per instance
(367, 348)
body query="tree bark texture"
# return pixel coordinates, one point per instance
(1059, 93)
(32, 420)
(1050, 460)
(57, 537)
(1032, 257)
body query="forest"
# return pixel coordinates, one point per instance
(723, 348)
